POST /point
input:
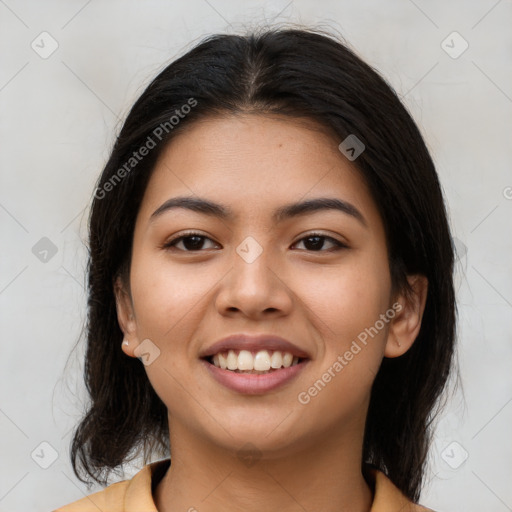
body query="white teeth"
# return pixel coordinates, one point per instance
(245, 360)
(287, 359)
(262, 361)
(232, 361)
(276, 360)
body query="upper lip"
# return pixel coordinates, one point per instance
(252, 342)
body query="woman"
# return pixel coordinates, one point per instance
(271, 304)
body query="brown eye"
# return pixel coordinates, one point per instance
(316, 241)
(190, 242)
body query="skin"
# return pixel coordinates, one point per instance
(309, 456)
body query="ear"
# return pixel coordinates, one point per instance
(126, 317)
(405, 326)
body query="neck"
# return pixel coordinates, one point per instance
(321, 475)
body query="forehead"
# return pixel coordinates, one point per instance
(255, 162)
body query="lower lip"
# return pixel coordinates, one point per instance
(252, 383)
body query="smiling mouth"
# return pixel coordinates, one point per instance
(253, 362)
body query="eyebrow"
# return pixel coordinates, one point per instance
(207, 207)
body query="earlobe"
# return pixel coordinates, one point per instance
(125, 318)
(406, 325)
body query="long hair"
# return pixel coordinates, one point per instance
(301, 73)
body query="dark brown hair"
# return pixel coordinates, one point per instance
(301, 73)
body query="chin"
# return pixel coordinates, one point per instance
(269, 434)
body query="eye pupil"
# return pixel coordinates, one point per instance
(195, 244)
(315, 245)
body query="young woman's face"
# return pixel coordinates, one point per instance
(249, 273)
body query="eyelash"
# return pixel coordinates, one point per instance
(171, 243)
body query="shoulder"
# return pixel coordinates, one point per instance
(111, 499)
(388, 497)
(134, 494)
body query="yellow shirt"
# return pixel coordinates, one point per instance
(135, 495)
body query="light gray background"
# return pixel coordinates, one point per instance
(59, 116)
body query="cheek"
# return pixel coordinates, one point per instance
(169, 304)
(347, 307)
(347, 303)
(165, 297)
(348, 298)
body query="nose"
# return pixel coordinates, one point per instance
(255, 288)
